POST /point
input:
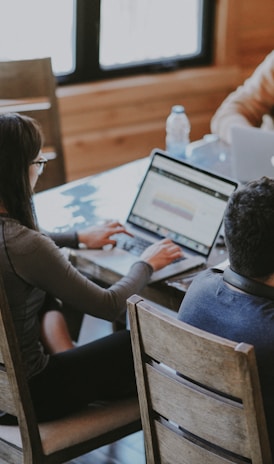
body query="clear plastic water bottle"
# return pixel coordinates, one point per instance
(177, 131)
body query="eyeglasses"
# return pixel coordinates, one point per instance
(40, 165)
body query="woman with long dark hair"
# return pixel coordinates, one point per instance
(33, 268)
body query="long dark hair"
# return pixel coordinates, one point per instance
(20, 143)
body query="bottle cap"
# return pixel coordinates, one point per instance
(178, 109)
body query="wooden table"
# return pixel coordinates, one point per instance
(108, 195)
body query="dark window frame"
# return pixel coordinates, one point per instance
(87, 48)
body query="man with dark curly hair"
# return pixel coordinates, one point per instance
(238, 303)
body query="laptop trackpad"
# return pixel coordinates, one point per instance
(177, 268)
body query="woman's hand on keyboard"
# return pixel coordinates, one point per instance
(98, 236)
(161, 253)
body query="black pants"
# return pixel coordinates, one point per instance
(100, 370)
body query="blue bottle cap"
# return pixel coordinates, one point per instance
(178, 109)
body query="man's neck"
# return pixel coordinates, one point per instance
(267, 281)
(3, 210)
(263, 287)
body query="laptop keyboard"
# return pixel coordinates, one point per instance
(135, 245)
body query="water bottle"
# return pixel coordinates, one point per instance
(177, 131)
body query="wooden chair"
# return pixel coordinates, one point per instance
(29, 87)
(56, 441)
(199, 394)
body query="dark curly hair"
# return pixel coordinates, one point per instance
(249, 229)
(20, 143)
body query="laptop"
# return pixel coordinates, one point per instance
(175, 200)
(252, 153)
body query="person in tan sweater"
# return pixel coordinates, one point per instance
(251, 104)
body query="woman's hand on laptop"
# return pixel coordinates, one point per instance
(98, 236)
(161, 253)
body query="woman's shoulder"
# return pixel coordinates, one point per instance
(23, 239)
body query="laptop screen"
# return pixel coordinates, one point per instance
(182, 202)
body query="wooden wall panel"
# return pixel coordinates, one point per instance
(103, 127)
(108, 123)
(256, 33)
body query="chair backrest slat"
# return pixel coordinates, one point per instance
(221, 418)
(188, 357)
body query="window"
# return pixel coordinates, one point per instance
(31, 29)
(95, 39)
(148, 31)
